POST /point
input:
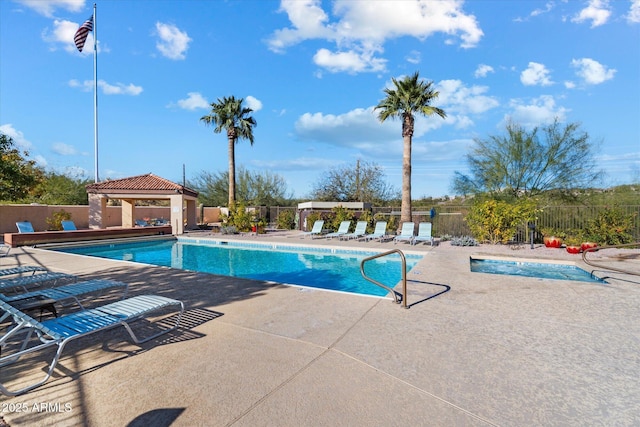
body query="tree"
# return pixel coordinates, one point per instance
(18, 176)
(409, 96)
(253, 188)
(364, 183)
(230, 115)
(526, 163)
(60, 189)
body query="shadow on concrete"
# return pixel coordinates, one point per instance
(163, 417)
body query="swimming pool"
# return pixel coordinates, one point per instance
(534, 269)
(325, 268)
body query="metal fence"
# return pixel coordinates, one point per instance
(449, 220)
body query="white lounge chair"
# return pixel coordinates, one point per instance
(380, 232)
(361, 229)
(424, 233)
(50, 277)
(61, 330)
(316, 230)
(406, 233)
(342, 229)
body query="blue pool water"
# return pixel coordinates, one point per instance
(335, 270)
(534, 269)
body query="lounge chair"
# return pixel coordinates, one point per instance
(4, 249)
(61, 330)
(316, 230)
(380, 232)
(361, 229)
(342, 229)
(69, 292)
(21, 270)
(35, 280)
(406, 233)
(142, 223)
(424, 233)
(68, 225)
(24, 227)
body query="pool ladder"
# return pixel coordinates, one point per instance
(594, 264)
(397, 296)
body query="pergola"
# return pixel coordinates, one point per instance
(142, 187)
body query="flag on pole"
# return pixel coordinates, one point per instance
(81, 35)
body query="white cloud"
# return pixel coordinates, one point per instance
(48, 7)
(17, 136)
(414, 57)
(40, 161)
(63, 149)
(194, 101)
(597, 12)
(591, 71)
(359, 29)
(634, 12)
(459, 102)
(483, 70)
(535, 74)
(541, 110)
(173, 43)
(569, 84)
(107, 88)
(254, 103)
(349, 61)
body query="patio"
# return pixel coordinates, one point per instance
(473, 349)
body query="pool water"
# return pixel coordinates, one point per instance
(534, 269)
(337, 270)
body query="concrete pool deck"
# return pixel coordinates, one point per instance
(473, 349)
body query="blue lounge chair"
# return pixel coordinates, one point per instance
(406, 233)
(424, 233)
(342, 229)
(361, 229)
(70, 292)
(24, 227)
(46, 277)
(380, 232)
(61, 330)
(316, 230)
(68, 225)
(4, 249)
(142, 223)
(21, 270)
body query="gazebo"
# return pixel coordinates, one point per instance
(143, 187)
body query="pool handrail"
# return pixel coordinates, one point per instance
(396, 295)
(596, 248)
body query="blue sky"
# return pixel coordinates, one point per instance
(313, 71)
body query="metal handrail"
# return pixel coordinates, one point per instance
(593, 264)
(403, 296)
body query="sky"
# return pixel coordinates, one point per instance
(313, 71)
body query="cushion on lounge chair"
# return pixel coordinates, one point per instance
(59, 331)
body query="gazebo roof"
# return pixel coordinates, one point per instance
(149, 184)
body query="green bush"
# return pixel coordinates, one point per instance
(55, 220)
(611, 227)
(239, 218)
(496, 221)
(340, 214)
(286, 220)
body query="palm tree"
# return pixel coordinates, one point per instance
(408, 97)
(229, 114)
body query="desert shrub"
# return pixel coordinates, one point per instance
(239, 218)
(286, 220)
(464, 241)
(611, 227)
(54, 222)
(340, 214)
(496, 221)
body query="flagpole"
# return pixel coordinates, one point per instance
(95, 91)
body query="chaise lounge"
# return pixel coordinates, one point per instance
(61, 330)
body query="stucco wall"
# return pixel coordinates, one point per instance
(38, 214)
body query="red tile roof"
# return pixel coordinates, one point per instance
(148, 183)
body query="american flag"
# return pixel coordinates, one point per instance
(81, 35)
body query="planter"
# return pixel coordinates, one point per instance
(588, 245)
(552, 242)
(573, 249)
